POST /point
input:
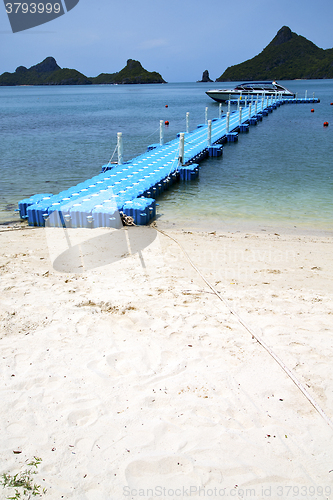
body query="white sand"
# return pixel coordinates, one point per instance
(124, 372)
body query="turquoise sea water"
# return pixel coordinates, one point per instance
(279, 174)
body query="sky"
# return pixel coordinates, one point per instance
(177, 38)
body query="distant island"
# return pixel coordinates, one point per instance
(132, 73)
(287, 57)
(49, 73)
(205, 77)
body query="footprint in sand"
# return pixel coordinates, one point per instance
(82, 418)
(175, 470)
(126, 363)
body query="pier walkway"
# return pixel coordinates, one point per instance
(134, 186)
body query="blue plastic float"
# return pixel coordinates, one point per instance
(134, 186)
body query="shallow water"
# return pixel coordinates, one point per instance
(279, 174)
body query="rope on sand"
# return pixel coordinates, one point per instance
(258, 339)
(9, 229)
(127, 220)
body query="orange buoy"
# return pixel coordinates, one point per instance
(312, 110)
(166, 106)
(331, 103)
(166, 122)
(325, 124)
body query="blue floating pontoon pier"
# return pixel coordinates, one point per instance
(133, 187)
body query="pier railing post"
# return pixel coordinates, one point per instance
(227, 122)
(220, 110)
(229, 103)
(181, 148)
(161, 133)
(187, 122)
(245, 101)
(240, 116)
(120, 147)
(250, 107)
(262, 101)
(206, 116)
(209, 133)
(256, 107)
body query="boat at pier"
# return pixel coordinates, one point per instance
(250, 89)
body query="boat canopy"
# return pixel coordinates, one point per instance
(260, 86)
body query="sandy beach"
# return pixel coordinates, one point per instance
(128, 376)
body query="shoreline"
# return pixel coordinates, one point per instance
(243, 227)
(228, 227)
(122, 370)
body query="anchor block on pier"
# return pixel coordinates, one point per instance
(232, 137)
(189, 172)
(215, 150)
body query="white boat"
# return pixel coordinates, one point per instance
(251, 89)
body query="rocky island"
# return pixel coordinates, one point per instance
(133, 72)
(45, 73)
(287, 57)
(205, 77)
(49, 73)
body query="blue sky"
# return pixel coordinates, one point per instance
(177, 38)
